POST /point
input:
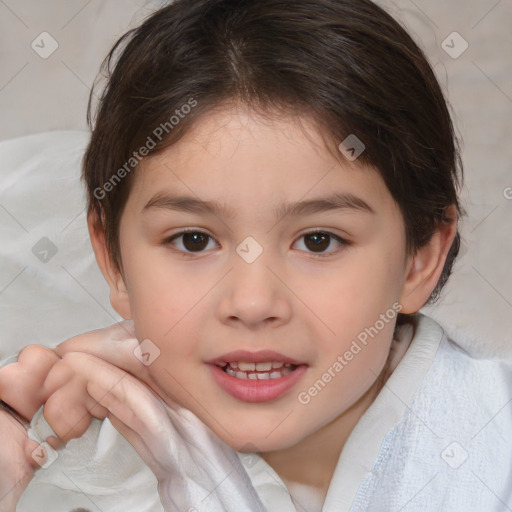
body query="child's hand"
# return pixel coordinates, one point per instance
(25, 386)
(188, 459)
(195, 469)
(47, 377)
(90, 379)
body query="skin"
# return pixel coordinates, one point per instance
(17, 464)
(199, 305)
(304, 301)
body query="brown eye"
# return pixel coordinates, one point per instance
(191, 241)
(195, 241)
(321, 243)
(317, 241)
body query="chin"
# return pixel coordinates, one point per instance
(254, 440)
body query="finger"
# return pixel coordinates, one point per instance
(135, 439)
(125, 397)
(22, 383)
(69, 411)
(144, 429)
(137, 414)
(55, 442)
(98, 383)
(70, 408)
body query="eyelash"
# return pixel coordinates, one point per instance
(341, 241)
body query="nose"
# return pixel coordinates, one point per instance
(253, 295)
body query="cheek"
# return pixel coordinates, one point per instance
(160, 299)
(152, 283)
(355, 306)
(353, 295)
(345, 374)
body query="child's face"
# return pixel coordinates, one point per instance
(198, 298)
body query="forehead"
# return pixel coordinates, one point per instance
(238, 158)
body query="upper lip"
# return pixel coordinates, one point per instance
(261, 356)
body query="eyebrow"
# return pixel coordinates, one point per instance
(333, 202)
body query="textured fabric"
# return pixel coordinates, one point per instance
(99, 471)
(452, 450)
(437, 437)
(196, 471)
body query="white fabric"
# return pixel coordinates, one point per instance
(43, 202)
(439, 406)
(196, 471)
(407, 453)
(99, 471)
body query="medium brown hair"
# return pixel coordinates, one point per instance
(347, 64)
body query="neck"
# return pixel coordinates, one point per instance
(313, 460)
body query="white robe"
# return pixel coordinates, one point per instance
(438, 437)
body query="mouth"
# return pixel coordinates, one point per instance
(256, 376)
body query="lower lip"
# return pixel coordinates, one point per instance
(256, 390)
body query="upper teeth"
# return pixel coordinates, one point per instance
(260, 367)
(257, 371)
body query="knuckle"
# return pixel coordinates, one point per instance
(64, 373)
(37, 356)
(32, 352)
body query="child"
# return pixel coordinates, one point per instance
(306, 150)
